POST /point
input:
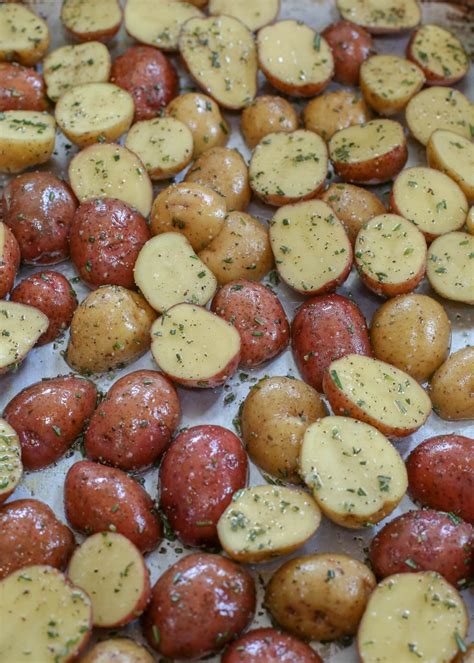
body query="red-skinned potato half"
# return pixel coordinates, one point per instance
(199, 584)
(134, 423)
(202, 469)
(350, 45)
(267, 645)
(21, 88)
(441, 474)
(9, 260)
(326, 328)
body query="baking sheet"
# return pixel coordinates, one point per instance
(209, 406)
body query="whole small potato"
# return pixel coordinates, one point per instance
(320, 597)
(203, 117)
(412, 332)
(117, 650)
(21, 88)
(333, 111)
(452, 386)
(350, 45)
(352, 205)
(267, 645)
(267, 115)
(9, 260)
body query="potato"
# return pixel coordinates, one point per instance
(194, 347)
(387, 632)
(424, 540)
(449, 267)
(24, 36)
(430, 199)
(466, 655)
(350, 45)
(9, 259)
(111, 171)
(21, 88)
(110, 328)
(258, 316)
(253, 13)
(334, 111)
(267, 115)
(225, 171)
(275, 414)
(388, 82)
(320, 597)
(439, 54)
(327, 328)
(117, 649)
(88, 20)
(376, 393)
(59, 616)
(164, 145)
(439, 108)
(470, 221)
(11, 467)
(31, 534)
(201, 471)
(372, 154)
(21, 327)
(452, 385)
(268, 644)
(381, 16)
(203, 118)
(412, 332)
(199, 584)
(98, 498)
(312, 252)
(27, 139)
(295, 59)
(221, 56)
(453, 155)
(390, 255)
(241, 250)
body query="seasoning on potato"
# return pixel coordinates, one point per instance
(439, 54)
(333, 111)
(388, 82)
(253, 13)
(24, 36)
(27, 139)
(452, 386)
(381, 16)
(21, 88)
(21, 327)
(11, 467)
(9, 260)
(267, 115)
(87, 21)
(453, 155)
(449, 267)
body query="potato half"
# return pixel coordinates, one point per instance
(24, 36)
(334, 111)
(388, 82)
(21, 326)
(452, 386)
(89, 20)
(439, 54)
(381, 16)
(267, 114)
(450, 267)
(11, 467)
(453, 155)
(117, 649)
(27, 139)
(253, 13)
(439, 108)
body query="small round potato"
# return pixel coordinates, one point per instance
(453, 155)
(117, 650)
(89, 20)
(353, 206)
(267, 115)
(449, 267)
(452, 386)
(350, 45)
(203, 117)
(381, 17)
(439, 54)
(267, 645)
(21, 88)
(388, 82)
(334, 111)
(27, 139)
(24, 36)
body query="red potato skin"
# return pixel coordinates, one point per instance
(200, 472)
(99, 35)
(431, 77)
(48, 416)
(106, 237)
(91, 495)
(39, 208)
(267, 645)
(324, 329)
(9, 263)
(376, 171)
(391, 289)
(216, 601)
(350, 45)
(134, 423)
(441, 474)
(430, 540)
(31, 534)
(52, 294)
(214, 381)
(150, 78)
(308, 90)
(257, 315)
(21, 88)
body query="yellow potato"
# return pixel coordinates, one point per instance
(88, 20)
(439, 54)
(388, 82)
(381, 16)
(24, 37)
(439, 108)
(353, 206)
(452, 386)
(333, 111)
(450, 267)
(158, 22)
(27, 139)
(253, 13)
(267, 115)
(453, 155)
(117, 650)
(20, 328)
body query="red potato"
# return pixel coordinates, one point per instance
(49, 415)
(350, 45)
(150, 78)
(424, 540)
(9, 260)
(199, 605)
(89, 20)
(441, 474)
(259, 318)
(31, 534)
(326, 328)
(52, 294)
(200, 472)
(21, 88)
(39, 208)
(267, 645)
(106, 237)
(99, 498)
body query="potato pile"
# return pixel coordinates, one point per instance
(189, 292)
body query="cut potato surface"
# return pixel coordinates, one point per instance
(453, 155)
(221, 56)
(288, 167)
(89, 19)
(377, 393)
(356, 475)
(24, 36)
(381, 16)
(312, 251)
(334, 111)
(11, 467)
(450, 267)
(439, 54)
(57, 613)
(266, 521)
(253, 13)
(294, 58)
(111, 171)
(27, 139)
(195, 347)
(20, 328)
(439, 108)
(388, 82)
(158, 22)
(413, 616)
(168, 272)
(164, 145)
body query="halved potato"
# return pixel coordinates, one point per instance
(164, 145)
(429, 199)
(11, 467)
(390, 255)
(356, 475)
(194, 347)
(253, 13)
(89, 20)
(450, 268)
(410, 617)
(377, 393)
(111, 171)
(118, 650)
(24, 36)
(221, 56)
(295, 59)
(334, 111)
(288, 167)
(168, 272)
(453, 155)
(263, 522)
(312, 252)
(27, 139)
(381, 16)
(439, 54)
(20, 328)
(388, 82)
